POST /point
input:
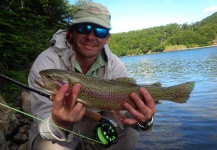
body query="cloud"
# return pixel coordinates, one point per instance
(210, 9)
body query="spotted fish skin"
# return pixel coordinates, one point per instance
(110, 95)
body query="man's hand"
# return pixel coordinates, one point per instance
(146, 108)
(66, 110)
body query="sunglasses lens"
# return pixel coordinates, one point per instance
(101, 32)
(98, 31)
(83, 28)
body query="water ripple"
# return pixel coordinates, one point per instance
(192, 125)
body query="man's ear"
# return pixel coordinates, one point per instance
(68, 37)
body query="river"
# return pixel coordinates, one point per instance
(191, 125)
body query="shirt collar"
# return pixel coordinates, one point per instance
(100, 62)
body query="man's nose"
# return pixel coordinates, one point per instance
(91, 34)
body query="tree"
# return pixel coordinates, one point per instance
(26, 26)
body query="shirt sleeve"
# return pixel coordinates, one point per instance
(40, 105)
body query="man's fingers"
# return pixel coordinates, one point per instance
(75, 91)
(131, 121)
(71, 97)
(148, 100)
(78, 112)
(140, 104)
(145, 107)
(136, 114)
(145, 103)
(58, 99)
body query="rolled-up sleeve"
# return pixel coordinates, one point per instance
(40, 105)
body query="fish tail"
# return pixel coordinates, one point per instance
(180, 93)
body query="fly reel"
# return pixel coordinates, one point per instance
(106, 133)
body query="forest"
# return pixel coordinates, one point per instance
(26, 27)
(166, 38)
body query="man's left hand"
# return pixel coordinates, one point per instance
(146, 108)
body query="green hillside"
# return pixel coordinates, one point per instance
(165, 38)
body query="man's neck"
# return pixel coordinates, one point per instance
(85, 64)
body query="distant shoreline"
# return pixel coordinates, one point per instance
(170, 51)
(164, 51)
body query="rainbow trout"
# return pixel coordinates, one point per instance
(110, 95)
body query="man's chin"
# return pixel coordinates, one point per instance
(87, 54)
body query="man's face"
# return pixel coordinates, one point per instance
(87, 44)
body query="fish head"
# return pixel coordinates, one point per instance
(52, 80)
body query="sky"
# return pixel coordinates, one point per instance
(128, 15)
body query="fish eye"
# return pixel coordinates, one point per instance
(49, 76)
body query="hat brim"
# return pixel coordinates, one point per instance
(91, 20)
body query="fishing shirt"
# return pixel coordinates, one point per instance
(61, 56)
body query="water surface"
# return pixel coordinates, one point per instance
(192, 125)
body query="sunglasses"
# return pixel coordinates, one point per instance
(99, 32)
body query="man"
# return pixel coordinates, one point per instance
(82, 48)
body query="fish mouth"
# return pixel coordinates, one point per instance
(51, 86)
(49, 90)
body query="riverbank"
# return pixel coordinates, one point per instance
(180, 48)
(183, 47)
(15, 126)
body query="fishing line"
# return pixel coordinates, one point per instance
(49, 123)
(46, 95)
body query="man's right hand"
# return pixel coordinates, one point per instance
(66, 110)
